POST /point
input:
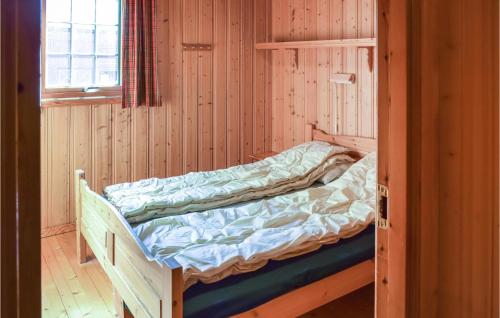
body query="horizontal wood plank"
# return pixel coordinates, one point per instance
(317, 294)
(317, 44)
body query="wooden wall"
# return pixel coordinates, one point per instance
(301, 91)
(222, 105)
(213, 115)
(454, 152)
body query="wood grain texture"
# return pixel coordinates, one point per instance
(215, 113)
(152, 289)
(454, 125)
(219, 106)
(301, 90)
(302, 300)
(58, 230)
(393, 108)
(20, 159)
(57, 301)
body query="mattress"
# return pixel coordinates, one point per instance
(237, 294)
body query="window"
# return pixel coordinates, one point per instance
(81, 47)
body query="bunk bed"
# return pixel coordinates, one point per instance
(291, 287)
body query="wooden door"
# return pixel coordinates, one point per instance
(392, 55)
(20, 159)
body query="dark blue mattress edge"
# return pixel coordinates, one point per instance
(239, 293)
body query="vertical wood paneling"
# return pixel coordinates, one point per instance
(277, 60)
(467, 136)
(233, 83)
(324, 106)
(337, 91)
(220, 83)
(302, 92)
(58, 152)
(205, 84)
(247, 74)
(222, 105)
(139, 143)
(174, 92)
(453, 124)
(157, 159)
(287, 77)
(298, 73)
(101, 146)
(190, 86)
(350, 106)
(310, 61)
(260, 80)
(121, 120)
(158, 115)
(80, 155)
(366, 78)
(213, 113)
(269, 75)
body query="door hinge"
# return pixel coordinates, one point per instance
(382, 207)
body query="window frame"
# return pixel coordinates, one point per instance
(79, 95)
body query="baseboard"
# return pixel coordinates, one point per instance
(57, 230)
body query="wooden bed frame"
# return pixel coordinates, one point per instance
(155, 290)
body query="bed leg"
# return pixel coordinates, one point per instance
(172, 300)
(81, 247)
(120, 309)
(118, 304)
(81, 243)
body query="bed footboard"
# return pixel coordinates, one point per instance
(148, 289)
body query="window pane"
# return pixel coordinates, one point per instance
(107, 71)
(84, 11)
(57, 71)
(108, 12)
(58, 11)
(83, 39)
(107, 40)
(58, 38)
(82, 43)
(82, 70)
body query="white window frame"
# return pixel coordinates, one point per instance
(78, 95)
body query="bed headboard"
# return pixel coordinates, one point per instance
(359, 145)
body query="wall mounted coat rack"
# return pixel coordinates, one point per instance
(196, 47)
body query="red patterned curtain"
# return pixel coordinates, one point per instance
(139, 67)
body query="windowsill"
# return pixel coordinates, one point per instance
(76, 96)
(78, 101)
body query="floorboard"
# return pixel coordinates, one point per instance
(73, 290)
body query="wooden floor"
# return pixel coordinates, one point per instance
(71, 290)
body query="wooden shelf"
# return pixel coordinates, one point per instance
(365, 42)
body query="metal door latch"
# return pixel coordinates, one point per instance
(382, 218)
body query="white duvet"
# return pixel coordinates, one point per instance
(296, 168)
(217, 243)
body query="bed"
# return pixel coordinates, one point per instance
(151, 289)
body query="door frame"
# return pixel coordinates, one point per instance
(20, 159)
(417, 97)
(398, 22)
(393, 33)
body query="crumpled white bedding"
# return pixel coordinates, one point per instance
(296, 168)
(240, 238)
